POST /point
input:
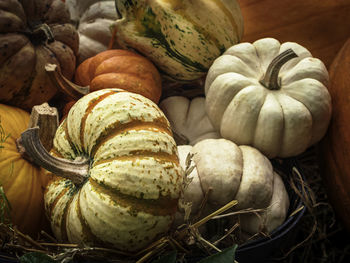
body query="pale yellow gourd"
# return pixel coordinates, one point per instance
(124, 179)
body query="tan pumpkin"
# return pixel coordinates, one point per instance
(123, 192)
(33, 33)
(234, 172)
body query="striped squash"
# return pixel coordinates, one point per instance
(131, 192)
(181, 37)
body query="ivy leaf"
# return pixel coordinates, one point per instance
(169, 258)
(225, 256)
(36, 257)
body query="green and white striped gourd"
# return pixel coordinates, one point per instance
(182, 38)
(130, 195)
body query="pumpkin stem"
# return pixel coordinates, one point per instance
(46, 118)
(77, 172)
(39, 33)
(70, 89)
(270, 80)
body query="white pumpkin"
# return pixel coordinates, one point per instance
(234, 172)
(188, 119)
(95, 21)
(280, 109)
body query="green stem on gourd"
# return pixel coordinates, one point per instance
(270, 80)
(75, 171)
(70, 89)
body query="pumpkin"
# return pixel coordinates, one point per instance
(126, 179)
(33, 33)
(188, 119)
(123, 69)
(334, 149)
(269, 95)
(234, 172)
(179, 37)
(23, 182)
(320, 26)
(94, 20)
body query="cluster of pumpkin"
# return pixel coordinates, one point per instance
(123, 169)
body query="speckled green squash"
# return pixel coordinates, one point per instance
(181, 37)
(131, 194)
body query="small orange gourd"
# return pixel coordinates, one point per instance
(122, 69)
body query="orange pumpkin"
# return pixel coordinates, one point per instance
(22, 182)
(122, 69)
(320, 26)
(335, 147)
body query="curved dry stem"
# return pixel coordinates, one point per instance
(77, 172)
(270, 79)
(72, 90)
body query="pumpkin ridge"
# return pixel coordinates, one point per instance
(90, 107)
(64, 234)
(161, 157)
(86, 230)
(58, 197)
(163, 206)
(68, 138)
(24, 91)
(116, 128)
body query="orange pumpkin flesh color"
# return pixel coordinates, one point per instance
(122, 69)
(335, 147)
(22, 182)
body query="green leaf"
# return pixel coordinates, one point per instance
(36, 257)
(169, 258)
(225, 256)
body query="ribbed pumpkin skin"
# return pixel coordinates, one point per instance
(120, 69)
(280, 123)
(335, 147)
(94, 19)
(23, 183)
(23, 79)
(135, 178)
(182, 38)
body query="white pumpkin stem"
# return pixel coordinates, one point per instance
(77, 172)
(70, 89)
(270, 79)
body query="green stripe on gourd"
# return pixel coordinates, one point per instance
(176, 35)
